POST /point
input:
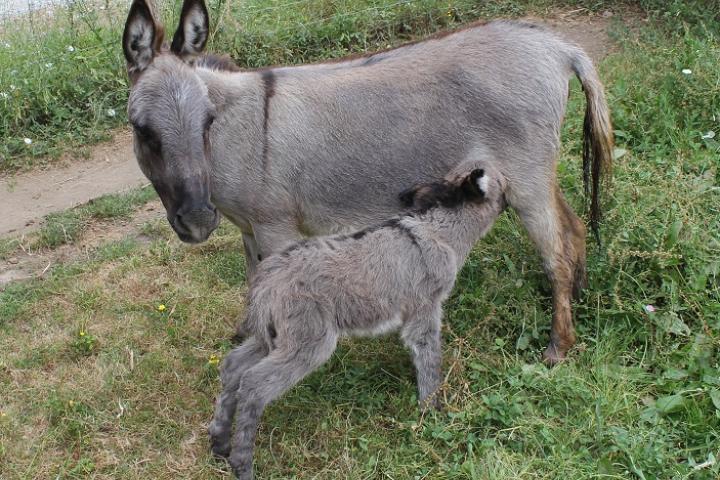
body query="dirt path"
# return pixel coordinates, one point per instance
(25, 199)
(26, 263)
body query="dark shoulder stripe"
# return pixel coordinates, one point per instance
(268, 81)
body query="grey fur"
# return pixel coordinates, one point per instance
(326, 148)
(394, 276)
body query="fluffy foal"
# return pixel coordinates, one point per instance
(393, 276)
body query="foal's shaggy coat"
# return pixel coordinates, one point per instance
(388, 277)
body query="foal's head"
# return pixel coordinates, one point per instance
(171, 115)
(473, 187)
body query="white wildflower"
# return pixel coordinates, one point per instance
(6, 45)
(649, 308)
(708, 135)
(28, 141)
(70, 48)
(111, 112)
(48, 65)
(686, 71)
(4, 95)
(13, 88)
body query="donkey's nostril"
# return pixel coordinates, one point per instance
(179, 222)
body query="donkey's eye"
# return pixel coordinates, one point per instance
(148, 137)
(208, 123)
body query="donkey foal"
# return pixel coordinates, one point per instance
(392, 276)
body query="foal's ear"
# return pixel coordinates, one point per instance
(142, 37)
(407, 197)
(192, 33)
(475, 184)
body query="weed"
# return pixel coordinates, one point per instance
(84, 344)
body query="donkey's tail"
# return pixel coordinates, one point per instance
(597, 135)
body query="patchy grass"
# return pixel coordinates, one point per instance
(64, 227)
(639, 398)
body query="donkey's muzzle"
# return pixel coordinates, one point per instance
(194, 224)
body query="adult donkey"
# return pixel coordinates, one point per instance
(289, 152)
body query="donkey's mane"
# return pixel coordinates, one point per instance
(223, 63)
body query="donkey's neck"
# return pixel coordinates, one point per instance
(228, 89)
(237, 138)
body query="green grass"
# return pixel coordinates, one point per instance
(639, 398)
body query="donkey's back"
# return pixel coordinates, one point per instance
(345, 137)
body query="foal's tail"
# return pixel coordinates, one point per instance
(597, 135)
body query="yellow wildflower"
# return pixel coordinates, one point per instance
(82, 333)
(214, 360)
(71, 403)
(3, 414)
(161, 307)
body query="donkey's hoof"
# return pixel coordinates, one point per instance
(553, 356)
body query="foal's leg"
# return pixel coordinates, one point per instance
(560, 238)
(421, 334)
(265, 382)
(237, 362)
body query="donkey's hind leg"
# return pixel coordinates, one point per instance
(237, 362)
(575, 233)
(421, 334)
(266, 381)
(559, 235)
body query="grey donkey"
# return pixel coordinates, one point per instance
(292, 152)
(392, 276)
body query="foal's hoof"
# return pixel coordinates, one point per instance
(242, 473)
(220, 450)
(219, 446)
(553, 356)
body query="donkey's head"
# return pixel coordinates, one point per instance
(171, 115)
(472, 187)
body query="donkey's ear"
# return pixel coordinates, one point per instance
(475, 184)
(142, 37)
(192, 33)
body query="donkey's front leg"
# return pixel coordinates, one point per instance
(274, 237)
(252, 255)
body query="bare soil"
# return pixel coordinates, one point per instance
(28, 197)
(26, 264)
